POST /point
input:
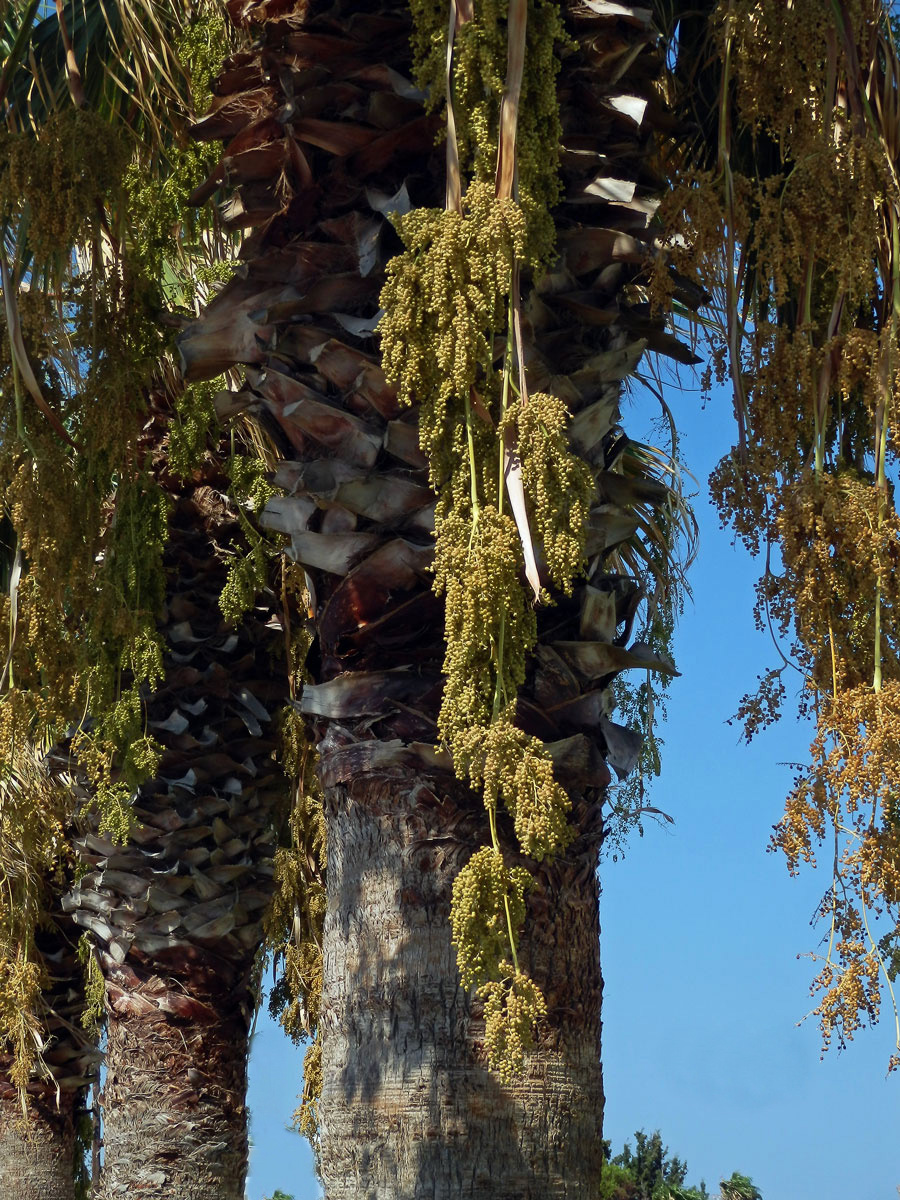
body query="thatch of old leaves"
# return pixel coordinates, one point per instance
(518, 433)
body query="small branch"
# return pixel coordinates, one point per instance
(509, 108)
(460, 13)
(73, 74)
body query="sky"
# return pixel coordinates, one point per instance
(701, 932)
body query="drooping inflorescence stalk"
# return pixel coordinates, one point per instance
(791, 202)
(96, 248)
(499, 459)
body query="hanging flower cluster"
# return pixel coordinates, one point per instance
(88, 208)
(791, 205)
(505, 477)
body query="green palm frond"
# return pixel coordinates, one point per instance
(129, 55)
(665, 543)
(121, 162)
(144, 70)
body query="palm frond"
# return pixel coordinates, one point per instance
(129, 54)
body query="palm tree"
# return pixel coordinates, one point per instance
(325, 136)
(176, 911)
(739, 1187)
(809, 304)
(176, 876)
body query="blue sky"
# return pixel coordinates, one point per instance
(701, 929)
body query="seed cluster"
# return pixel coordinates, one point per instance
(481, 892)
(61, 184)
(511, 1011)
(294, 920)
(448, 312)
(557, 480)
(34, 812)
(795, 214)
(89, 215)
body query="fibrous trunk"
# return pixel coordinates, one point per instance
(408, 1106)
(175, 1124)
(37, 1149)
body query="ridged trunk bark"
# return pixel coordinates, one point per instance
(409, 1108)
(37, 1157)
(174, 1115)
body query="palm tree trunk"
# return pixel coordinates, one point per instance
(323, 137)
(408, 1107)
(174, 1116)
(37, 1153)
(176, 912)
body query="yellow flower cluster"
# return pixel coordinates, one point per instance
(798, 225)
(85, 205)
(489, 621)
(21, 984)
(851, 994)
(482, 892)
(840, 550)
(557, 481)
(448, 307)
(478, 80)
(306, 1116)
(58, 178)
(94, 987)
(292, 925)
(510, 765)
(34, 813)
(512, 1008)
(444, 301)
